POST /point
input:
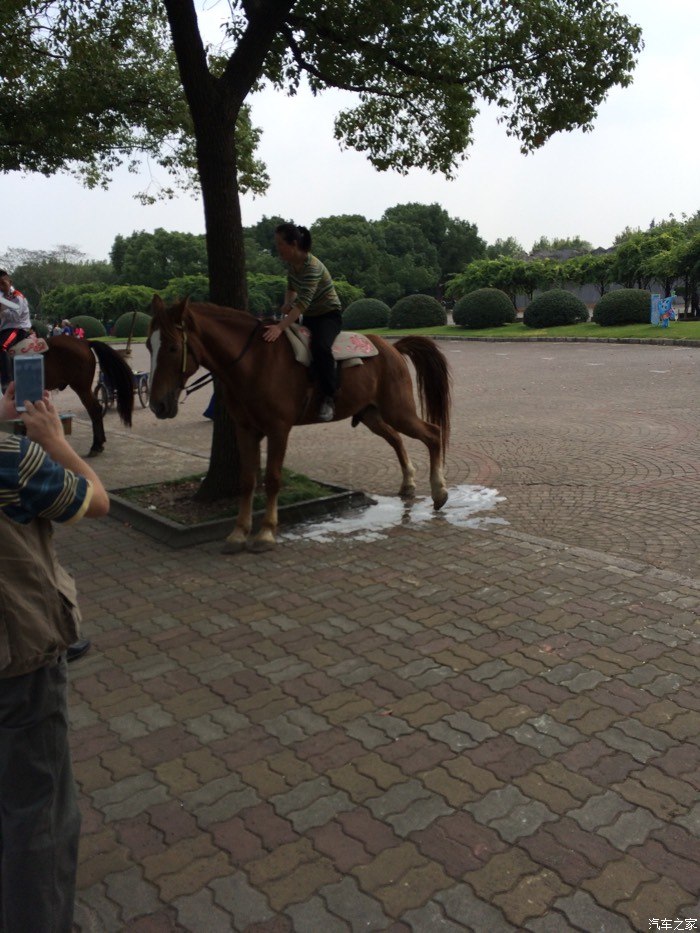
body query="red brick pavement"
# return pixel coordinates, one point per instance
(443, 728)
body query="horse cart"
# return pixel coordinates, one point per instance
(105, 392)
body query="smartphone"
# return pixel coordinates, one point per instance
(29, 379)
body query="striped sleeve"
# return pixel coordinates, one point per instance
(32, 485)
(314, 287)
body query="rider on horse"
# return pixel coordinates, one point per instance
(311, 293)
(15, 323)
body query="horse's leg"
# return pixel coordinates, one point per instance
(407, 422)
(94, 410)
(276, 449)
(249, 459)
(374, 421)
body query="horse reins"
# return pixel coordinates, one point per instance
(205, 380)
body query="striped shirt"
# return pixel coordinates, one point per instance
(313, 285)
(32, 485)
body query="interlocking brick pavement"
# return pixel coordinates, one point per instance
(487, 728)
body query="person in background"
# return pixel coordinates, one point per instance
(15, 323)
(66, 327)
(311, 293)
(79, 332)
(42, 480)
(56, 330)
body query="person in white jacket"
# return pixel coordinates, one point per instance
(15, 323)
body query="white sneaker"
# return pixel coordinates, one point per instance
(327, 410)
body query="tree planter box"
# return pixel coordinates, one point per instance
(177, 535)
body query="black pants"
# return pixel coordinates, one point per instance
(39, 817)
(8, 338)
(324, 328)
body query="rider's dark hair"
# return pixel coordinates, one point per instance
(290, 233)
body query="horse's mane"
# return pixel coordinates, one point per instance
(218, 313)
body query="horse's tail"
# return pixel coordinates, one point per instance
(433, 381)
(118, 375)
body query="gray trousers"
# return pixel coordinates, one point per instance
(39, 817)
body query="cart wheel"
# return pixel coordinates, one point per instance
(143, 390)
(102, 396)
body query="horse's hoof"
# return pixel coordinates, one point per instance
(407, 492)
(233, 547)
(95, 452)
(260, 545)
(440, 500)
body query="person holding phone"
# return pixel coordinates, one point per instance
(42, 480)
(15, 323)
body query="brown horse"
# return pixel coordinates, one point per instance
(70, 362)
(267, 392)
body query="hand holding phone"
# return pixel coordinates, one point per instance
(29, 380)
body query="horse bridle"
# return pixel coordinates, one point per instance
(186, 348)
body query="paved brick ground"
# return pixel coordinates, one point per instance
(440, 729)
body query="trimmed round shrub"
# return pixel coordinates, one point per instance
(41, 328)
(417, 311)
(367, 312)
(122, 326)
(624, 306)
(485, 307)
(92, 327)
(555, 308)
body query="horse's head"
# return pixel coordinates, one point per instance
(172, 360)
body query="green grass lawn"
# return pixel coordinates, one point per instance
(678, 330)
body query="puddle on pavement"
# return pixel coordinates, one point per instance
(463, 509)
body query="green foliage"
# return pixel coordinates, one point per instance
(485, 307)
(513, 276)
(623, 306)
(153, 259)
(417, 311)
(195, 287)
(347, 292)
(545, 245)
(103, 302)
(92, 327)
(508, 247)
(123, 325)
(64, 300)
(365, 313)
(42, 328)
(555, 308)
(265, 293)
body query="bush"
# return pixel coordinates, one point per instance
(41, 328)
(195, 287)
(624, 306)
(367, 312)
(346, 292)
(122, 326)
(555, 308)
(417, 311)
(485, 307)
(92, 327)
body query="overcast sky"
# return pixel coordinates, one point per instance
(640, 162)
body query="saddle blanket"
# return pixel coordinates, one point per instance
(349, 348)
(29, 345)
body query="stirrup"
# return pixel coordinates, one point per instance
(327, 410)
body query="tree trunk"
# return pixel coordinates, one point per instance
(215, 104)
(227, 286)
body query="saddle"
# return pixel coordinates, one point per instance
(349, 348)
(30, 346)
